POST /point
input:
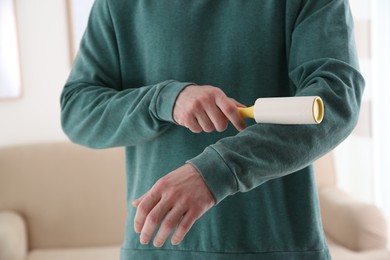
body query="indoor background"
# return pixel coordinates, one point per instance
(45, 40)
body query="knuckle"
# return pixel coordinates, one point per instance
(196, 105)
(215, 91)
(169, 224)
(153, 219)
(185, 201)
(158, 187)
(219, 94)
(189, 204)
(206, 98)
(187, 117)
(197, 208)
(229, 109)
(186, 225)
(142, 210)
(173, 194)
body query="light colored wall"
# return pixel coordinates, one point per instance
(45, 64)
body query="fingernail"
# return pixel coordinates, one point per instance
(175, 242)
(137, 228)
(144, 241)
(157, 244)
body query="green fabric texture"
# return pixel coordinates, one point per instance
(135, 58)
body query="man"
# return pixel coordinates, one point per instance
(162, 79)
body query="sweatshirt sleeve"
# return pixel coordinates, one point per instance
(97, 111)
(322, 61)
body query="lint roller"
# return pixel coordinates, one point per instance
(286, 110)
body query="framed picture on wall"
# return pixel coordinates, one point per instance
(78, 14)
(10, 75)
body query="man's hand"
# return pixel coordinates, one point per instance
(177, 200)
(206, 108)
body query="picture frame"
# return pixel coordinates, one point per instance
(10, 71)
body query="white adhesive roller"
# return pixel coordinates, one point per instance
(286, 110)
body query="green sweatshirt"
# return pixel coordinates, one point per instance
(135, 58)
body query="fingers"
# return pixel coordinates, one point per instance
(153, 219)
(193, 125)
(206, 108)
(183, 228)
(229, 109)
(176, 200)
(177, 217)
(143, 210)
(200, 122)
(216, 115)
(217, 118)
(205, 122)
(168, 225)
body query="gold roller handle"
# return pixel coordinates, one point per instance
(247, 112)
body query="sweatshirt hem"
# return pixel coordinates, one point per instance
(157, 254)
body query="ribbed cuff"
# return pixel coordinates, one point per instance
(216, 174)
(166, 99)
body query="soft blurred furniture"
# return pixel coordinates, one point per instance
(60, 201)
(354, 230)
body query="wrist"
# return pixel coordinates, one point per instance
(166, 99)
(215, 173)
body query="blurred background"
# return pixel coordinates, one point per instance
(38, 40)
